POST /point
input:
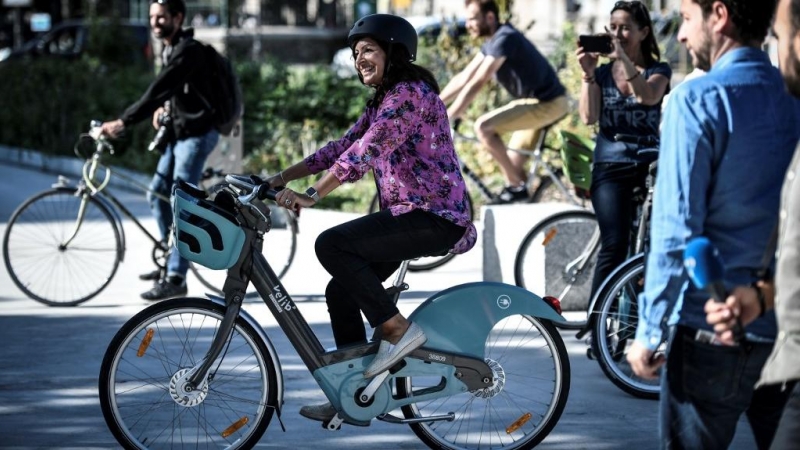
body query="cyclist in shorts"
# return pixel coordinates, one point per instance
(539, 98)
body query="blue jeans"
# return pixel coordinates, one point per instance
(706, 388)
(184, 160)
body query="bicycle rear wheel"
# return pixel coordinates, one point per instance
(614, 328)
(557, 258)
(280, 245)
(144, 370)
(42, 260)
(427, 262)
(531, 385)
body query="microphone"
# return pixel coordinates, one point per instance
(704, 267)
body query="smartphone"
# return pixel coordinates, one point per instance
(596, 44)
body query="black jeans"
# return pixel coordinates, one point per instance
(612, 192)
(363, 253)
(788, 434)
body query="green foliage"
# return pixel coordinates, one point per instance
(50, 101)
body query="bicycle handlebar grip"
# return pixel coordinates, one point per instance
(263, 191)
(457, 124)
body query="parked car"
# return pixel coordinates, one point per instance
(70, 39)
(428, 30)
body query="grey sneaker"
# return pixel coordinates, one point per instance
(325, 412)
(388, 355)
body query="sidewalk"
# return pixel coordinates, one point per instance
(51, 357)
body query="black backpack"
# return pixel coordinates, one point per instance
(226, 92)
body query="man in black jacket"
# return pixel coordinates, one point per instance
(184, 83)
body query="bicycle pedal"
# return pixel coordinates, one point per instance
(590, 354)
(334, 424)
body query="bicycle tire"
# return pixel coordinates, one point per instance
(515, 397)
(280, 246)
(559, 241)
(48, 273)
(427, 262)
(614, 322)
(140, 385)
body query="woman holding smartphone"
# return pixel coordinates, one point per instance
(624, 96)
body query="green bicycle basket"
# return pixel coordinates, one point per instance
(577, 154)
(205, 233)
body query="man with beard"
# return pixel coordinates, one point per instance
(748, 303)
(727, 139)
(184, 83)
(540, 99)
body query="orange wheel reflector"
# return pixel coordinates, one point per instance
(551, 233)
(148, 336)
(518, 423)
(235, 426)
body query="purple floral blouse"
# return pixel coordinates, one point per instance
(406, 142)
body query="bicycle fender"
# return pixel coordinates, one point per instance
(267, 342)
(460, 318)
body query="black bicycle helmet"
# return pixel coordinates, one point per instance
(387, 28)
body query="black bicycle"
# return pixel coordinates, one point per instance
(63, 246)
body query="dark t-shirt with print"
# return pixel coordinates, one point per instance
(624, 115)
(525, 73)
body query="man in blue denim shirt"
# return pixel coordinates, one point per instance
(727, 139)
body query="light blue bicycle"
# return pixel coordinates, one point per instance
(202, 373)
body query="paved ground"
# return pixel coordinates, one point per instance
(50, 357)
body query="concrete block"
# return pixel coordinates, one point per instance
(504, 228)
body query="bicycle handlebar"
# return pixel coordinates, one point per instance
(261, 191)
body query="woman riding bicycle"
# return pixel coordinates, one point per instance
(404, 137)
(624, 96)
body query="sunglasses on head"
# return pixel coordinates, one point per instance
(629, 6)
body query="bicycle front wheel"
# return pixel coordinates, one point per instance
(614, 329)
(145, 369)
(56, 257)
(557, 258)
(280, 245)
(426, 262)
(531, 385)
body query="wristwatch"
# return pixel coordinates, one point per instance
(311, 192)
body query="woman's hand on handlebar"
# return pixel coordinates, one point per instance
(290, 199)
(113, 128)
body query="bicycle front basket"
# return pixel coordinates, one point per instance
(577, 155)
(205, 233)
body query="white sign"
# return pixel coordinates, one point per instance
(17, 3)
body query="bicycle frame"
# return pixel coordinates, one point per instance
(88, 188)
(537, 163)
(455, 356)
